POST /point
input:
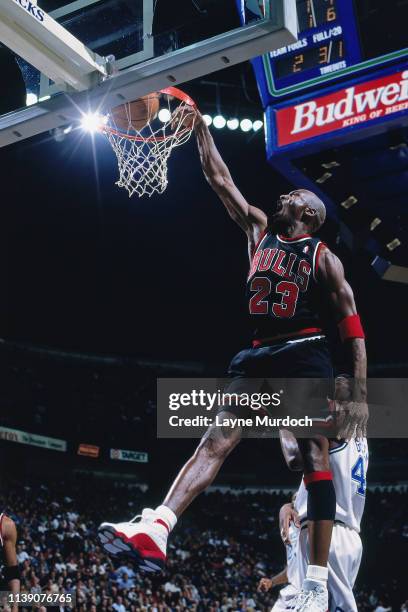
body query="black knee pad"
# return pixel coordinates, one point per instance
(321, 501)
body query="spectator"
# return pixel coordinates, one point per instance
(216, 556)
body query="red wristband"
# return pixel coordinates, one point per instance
(351, 327)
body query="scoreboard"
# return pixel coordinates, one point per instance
(336, 38)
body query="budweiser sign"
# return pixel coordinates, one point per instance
(343, 108)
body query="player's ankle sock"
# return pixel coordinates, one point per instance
(167, 515)
(316, 575)
(321, 496)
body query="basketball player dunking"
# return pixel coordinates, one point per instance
(291, 273)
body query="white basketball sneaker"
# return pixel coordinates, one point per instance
(144, 538)
(314, 600)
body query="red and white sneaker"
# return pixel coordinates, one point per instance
(144, 538)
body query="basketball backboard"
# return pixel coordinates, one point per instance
(93, 53)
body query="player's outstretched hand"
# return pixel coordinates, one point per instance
(187, 116)
(351, 419)
(287, 515)
(265, 584)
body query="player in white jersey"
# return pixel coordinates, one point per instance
(348, 463)
(289, 576)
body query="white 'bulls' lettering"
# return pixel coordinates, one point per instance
(287, 265)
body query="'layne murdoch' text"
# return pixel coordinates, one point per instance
(222, 421)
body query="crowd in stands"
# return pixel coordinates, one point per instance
(221, 548)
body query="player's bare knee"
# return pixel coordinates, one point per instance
(315, 453)
(295, 464)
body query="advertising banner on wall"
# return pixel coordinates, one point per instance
(129, 455)
(23, 437)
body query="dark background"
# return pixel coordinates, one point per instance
(86, 268)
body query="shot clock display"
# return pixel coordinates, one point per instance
(336, 37)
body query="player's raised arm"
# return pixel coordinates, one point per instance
(250, 218)
(331, 274)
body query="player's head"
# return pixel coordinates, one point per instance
(299, 205)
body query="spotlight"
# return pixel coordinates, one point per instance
(164, 115)
(325, 177)
(374, 223)
(257, 125)
(233, 124)
(91, 122)
(207, 119)
(349, 202)
(246, 125)
(31, 98)
(393, 244)
(219, 122)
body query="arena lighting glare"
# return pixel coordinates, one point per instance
(31, 98)
(164, 115)
(207, 119)
(257, 125)
(91, 122)
(219, 122)
(246, 125)
(233, 124)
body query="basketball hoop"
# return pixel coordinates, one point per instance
(143, 135)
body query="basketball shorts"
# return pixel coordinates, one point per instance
(344, 562)
(269, 369)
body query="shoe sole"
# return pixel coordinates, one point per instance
(116, 544)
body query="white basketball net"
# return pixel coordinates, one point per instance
(143, 155)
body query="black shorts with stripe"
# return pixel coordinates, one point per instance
(270, 369)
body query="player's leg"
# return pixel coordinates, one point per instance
(312, 457)
(321, 506)
(201, 469)
(311, 362)
(313, 596)
(321, 510)
(146, 538)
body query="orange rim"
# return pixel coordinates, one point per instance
(170, 91)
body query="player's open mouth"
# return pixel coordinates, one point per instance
(279, 207)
